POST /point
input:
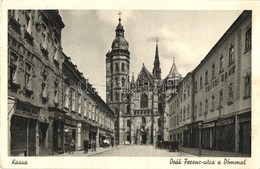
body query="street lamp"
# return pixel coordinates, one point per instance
(200, 126)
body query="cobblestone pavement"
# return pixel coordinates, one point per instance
(141, 151)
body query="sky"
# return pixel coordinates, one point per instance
(187, 35)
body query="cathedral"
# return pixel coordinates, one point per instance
(139, 104)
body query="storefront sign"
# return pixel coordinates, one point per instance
(207, 125)
(24, 109)
(225, 122)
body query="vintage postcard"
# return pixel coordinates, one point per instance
(129, 85)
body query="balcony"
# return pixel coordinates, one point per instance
(29, 38)
(14, 24)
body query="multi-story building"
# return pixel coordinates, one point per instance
(221, 97)
(139, 105)
(46, 106)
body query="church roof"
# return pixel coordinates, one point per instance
(174, 71)
(145, 75)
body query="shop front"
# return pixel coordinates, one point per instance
(43, 126)
(225, 134)
(83, 133)
(70, 129)
(23, 129)
(208, 135)
(195, 135)
(245, 133)
(93, 135)
(58, 132)
(187, 136)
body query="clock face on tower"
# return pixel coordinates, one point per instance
(116, 45)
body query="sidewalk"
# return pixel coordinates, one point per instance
(211, 153)
(99, 150)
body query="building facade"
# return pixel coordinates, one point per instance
(139, 104)
(221, 94)
(48, 98)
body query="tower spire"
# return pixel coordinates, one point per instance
(157, 68)
(119, 16)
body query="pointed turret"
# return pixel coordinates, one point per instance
(156, 64)
(174, 71)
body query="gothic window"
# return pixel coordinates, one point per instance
(206, 77)
(123, 82)
(231, 55)
(128, 123)
(13, 72)
(248, 40)
(117, 67)
(143, 121)
(128, 109)
(159, 123)
(144, 101)
(111, 67)
(247, 85)
(123, 67)
(122, 96)
(213, 71)
(28, 81)
(117, 96)
(116, 82)
(221, 62)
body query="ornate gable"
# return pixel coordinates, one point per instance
(144, 76)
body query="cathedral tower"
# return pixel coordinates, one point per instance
(156, 64)
(117, 77)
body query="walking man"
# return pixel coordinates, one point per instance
(72, 145)
(85, 144)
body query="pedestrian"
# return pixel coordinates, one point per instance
(85, 144)
(94, 145)
(72, 145)
(112, 143)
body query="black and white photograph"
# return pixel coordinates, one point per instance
(128, 88)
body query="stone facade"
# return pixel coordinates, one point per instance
(221, 97)
(48, 98)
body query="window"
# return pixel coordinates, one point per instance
(143, 120)
(28, 81)
(56, 51)
(206, 106)
(181, 116)
(44, 90)
(206, 77)
(248, 40)
(123, 82)
(188, 112)
(14, 13)
(220, 99)
(44, 37)
(184, 114)
(247, 80)
(79, 104)
(159, 123)
(213, 103)
(221, 62)
(196, 87)
(123, 67)
(195, 110)
(230, 93)
(213, 71)
(67, 90)
(201, 85)
(231, 55)
(13, 73)
(90, 110)
(117, 96)
(200, 109)
(117, 67)
(128, 123)
(73, 100)
(85, 108)
(29, 21)
(144, 101)
(56, 97)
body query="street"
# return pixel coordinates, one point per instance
(141, 151)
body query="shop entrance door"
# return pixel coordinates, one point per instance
(245, 138)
